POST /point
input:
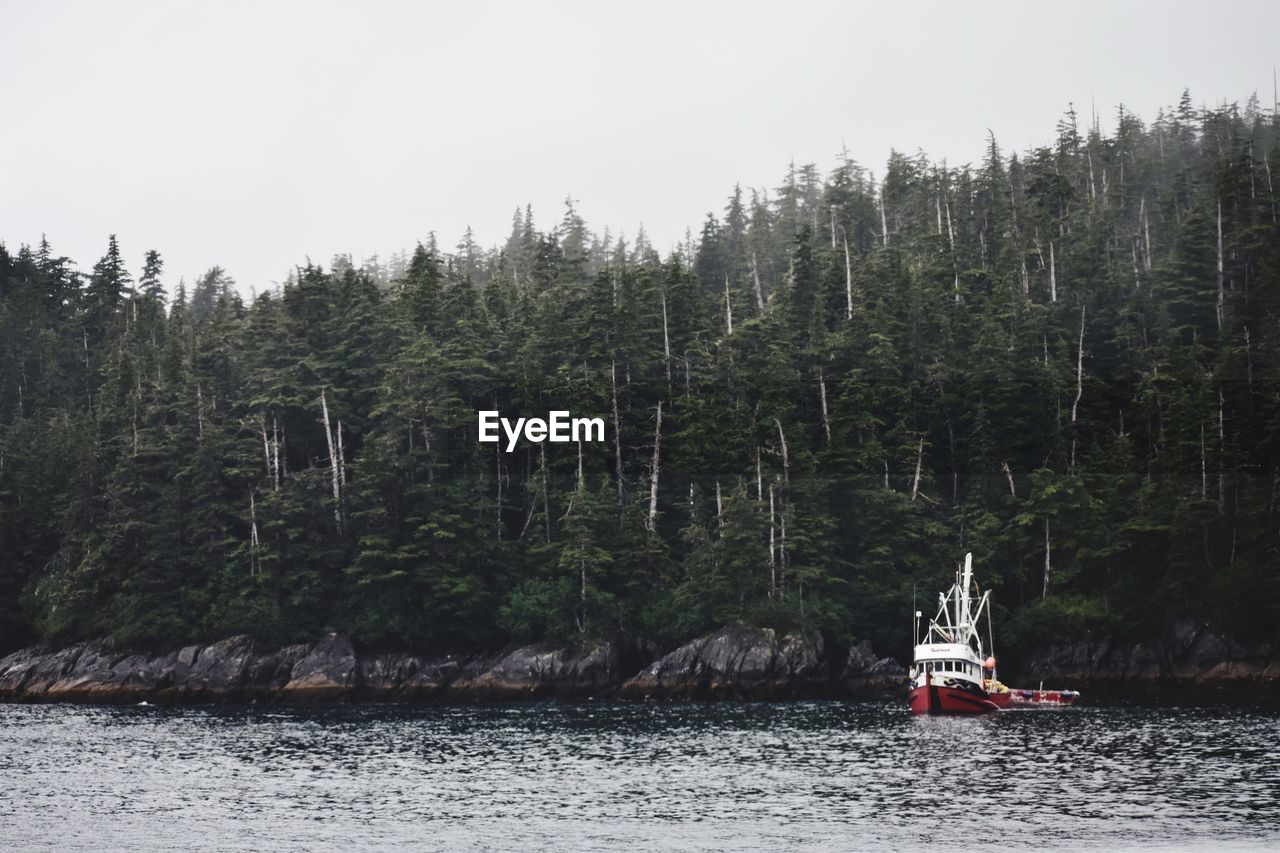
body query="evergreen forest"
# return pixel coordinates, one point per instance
(1065, 360)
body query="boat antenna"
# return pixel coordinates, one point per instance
(991, 643)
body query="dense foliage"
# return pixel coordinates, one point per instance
(1067, 362)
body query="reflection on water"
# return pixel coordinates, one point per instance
(596, 776)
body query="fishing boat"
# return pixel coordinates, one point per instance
(947, 671)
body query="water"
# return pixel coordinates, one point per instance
(818, 775)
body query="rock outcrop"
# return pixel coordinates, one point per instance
(329, 671)
(737, 661)
(540, 670)
(865, 674)
(235, 670)
(1187, 654)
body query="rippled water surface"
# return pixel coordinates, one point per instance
(594, 776)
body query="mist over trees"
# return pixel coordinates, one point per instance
(1066, 360)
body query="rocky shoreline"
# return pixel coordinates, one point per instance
(1186, 656)
(736, 662)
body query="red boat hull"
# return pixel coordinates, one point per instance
(933, 698)
(1001, 700)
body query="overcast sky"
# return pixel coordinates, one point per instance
(254, 135)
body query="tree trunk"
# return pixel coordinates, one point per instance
(951, 231)
(1270, 189)
(915, 482)
(1079, 386)
(773, 565)
(617, 431)
(1204, 468)
(782, 550)
(1146, 236)
(253, 534)
(276, 436)
(333, 462)
(654, 471)
(719, 506)
(1044, 590)
(666, 343)
(1093, 190)
(848, 280)
(283, 456)
(497, 473)
(266, 445)
(786, 462)
(1222, 446)
(759, 478)
(1053, 275)
(342, 459)
(728, 307)
(1008, 475)
(1221, 293)
(755, 278)
(884, 220)
(1248, 355)
(546, 499)
(822, 396)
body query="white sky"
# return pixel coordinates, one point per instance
(253, 135)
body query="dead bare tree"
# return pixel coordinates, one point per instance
(1221, 291)
(915, 481)
(1044, 590)
(755, 278)
(786, 461)
(253, 533)
(1053, 275)
(728, 307)
(884, 220)
(652, 523)
(826, 416)
(333, 462)
(666, 342)
(1075, 405)
(773, 565)
(1008, 475)
(848, 279)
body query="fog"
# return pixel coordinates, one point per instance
(257, 135)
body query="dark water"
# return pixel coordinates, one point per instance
(599, 776)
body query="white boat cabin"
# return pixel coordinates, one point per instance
(951, 647)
